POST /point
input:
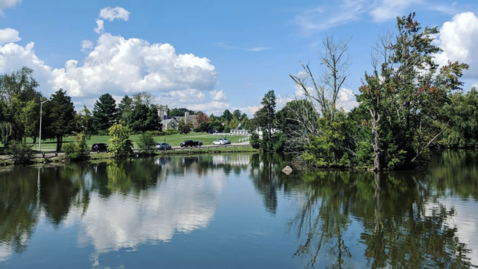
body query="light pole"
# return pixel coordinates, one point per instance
(39, 140)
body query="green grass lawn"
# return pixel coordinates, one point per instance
(173, 140)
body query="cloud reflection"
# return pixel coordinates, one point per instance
(178, 205)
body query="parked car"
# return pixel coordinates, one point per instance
(99, 147)
(219, 141)
(190, 143)
(227, 141)
(163, 146)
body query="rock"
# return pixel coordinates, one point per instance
(287, 170)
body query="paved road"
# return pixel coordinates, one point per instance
(54, 154)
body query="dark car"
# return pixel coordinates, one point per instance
(190, 143)
(99, 147)
(163, 146)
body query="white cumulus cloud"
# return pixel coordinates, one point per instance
(86, 45)
(458, 39)
(218, 95)
(8, 4)
(347, 99)
(8, 35)
(122, 66)
(112, 13)
(100, 27)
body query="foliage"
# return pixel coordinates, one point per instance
(255, 141)
(179, 112)
(202, 118)
(105, 112)
(323, 129)
(226, 115)
(18, 95)
(290, 122)
(78, 150)
(266, 118)
(237, 114)
(330, 148)
(120, 146)
(146, 142)
(5, 132)
(59, 119)
(144, 118)
(463, 114)
(21, 152)
(404, 96)
(171, 132)
(29, 117)
(144, 98)
(124, 109)
(184, 128)
(84, 122)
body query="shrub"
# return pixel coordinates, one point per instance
(21, 152)
(146, 142)
(157, 133)
(78, 150)
(172, 132)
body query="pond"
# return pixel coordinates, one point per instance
(238, 211)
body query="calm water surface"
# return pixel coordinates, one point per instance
(238, 211)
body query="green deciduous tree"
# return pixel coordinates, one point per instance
(78, 150)
(120, 146)
(463, 114)
(17, 91)
(184, 128)
(146, 142)
(404, 95)
(84, 122)
(29, 116)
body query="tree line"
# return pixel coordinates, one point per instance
(408, 106)
(21, 104)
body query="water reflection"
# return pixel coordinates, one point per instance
(401, 219)
(419, 219)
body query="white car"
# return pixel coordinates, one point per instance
(219, 141)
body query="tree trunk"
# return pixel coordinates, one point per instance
(59, 142)
(377, 149)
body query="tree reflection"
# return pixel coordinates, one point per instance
(404, 224)
(268, 178)
(324, 217)
(455, 173)
(18, 207)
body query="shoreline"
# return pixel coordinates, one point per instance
(105, 156)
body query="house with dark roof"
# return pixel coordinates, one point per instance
(170, 123)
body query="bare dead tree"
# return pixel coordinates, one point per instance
(323, 93)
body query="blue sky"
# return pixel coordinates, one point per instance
(209, 55)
